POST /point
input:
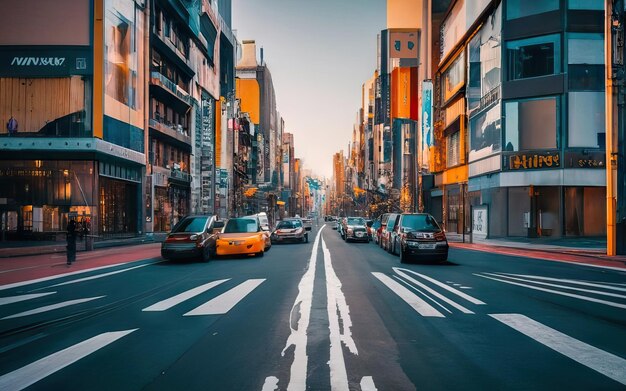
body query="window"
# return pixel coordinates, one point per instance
(586, 4)
(585, 58)
(453, 77)
(522, 8)
(533, 57)
(531, 124)
(586, 119)
(453, 157)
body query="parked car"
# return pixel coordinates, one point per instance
(341, 227)
(290, 230)
(242, 236)
(420, 237)
(334, 223)
(192, 237)
(374, 230)
(308, 224)
(385, 237)
(264, 221)
(356, 230)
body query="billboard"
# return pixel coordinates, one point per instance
(403, 44)
(485, 133)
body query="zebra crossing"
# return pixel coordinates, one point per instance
(32, 373)
(428, 302)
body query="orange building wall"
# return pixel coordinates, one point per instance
(404, 13)
(249, 94)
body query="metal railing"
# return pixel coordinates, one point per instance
(172, 87)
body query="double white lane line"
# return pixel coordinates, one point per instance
(338, 319)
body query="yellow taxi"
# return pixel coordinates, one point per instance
(242, 236)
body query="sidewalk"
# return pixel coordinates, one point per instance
(20, 249)
(576, 250)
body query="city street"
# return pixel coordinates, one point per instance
(322, 315)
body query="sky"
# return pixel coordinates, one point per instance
(319, 53)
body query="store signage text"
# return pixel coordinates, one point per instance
(25, 173)
(525, 161)
(38, 61)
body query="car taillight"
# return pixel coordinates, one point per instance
(440, 236)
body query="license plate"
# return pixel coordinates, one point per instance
(428, 246)
(236, 243)
(359, 234)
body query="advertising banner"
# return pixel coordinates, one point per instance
(427, 114)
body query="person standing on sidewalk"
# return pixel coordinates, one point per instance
(71, 242)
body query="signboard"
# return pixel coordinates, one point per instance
(403, 44)
(532, 160)
(480, 222)
(585, 160)
(427, 114)
(48, 61)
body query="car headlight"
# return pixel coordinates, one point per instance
(412, 244)
(193, 237)
(349, 230)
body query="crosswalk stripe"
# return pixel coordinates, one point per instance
(175, 300)
(227, 300)
(367, 384)
(600, 361)
(43, 279)
(32, 373)
(585, 283)
(16, 299)
(435, 293)
(442, 285)
(423, 294)
(52, 307)
(592, 299)
(558, 286)
(97, 276)
(419, 305)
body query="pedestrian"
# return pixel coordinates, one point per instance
(71, 242)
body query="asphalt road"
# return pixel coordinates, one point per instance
(326, 315)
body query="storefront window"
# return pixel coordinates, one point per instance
(531, 124)
(485, 133)
(585, 211)
(522, 8)
(533, 57)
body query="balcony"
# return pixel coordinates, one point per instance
(167, 87)
(173, 131)
(161, 173)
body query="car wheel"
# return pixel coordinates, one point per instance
(306, 238)
(206, 254)
(402, 256)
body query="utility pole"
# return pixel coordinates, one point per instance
(615, 128)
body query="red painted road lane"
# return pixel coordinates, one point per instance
(37, 266)
(596, 260)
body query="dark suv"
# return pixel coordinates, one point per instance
(192, 237)
(356, 230)
(418, 236)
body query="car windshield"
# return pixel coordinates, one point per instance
(420, 223)
(356, 221)
(191, 224)
(391, 223)
(236, 226)
(289, 224)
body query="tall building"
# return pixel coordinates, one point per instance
(75, 99)
(522, 83)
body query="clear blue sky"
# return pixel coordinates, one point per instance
(320, 53)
